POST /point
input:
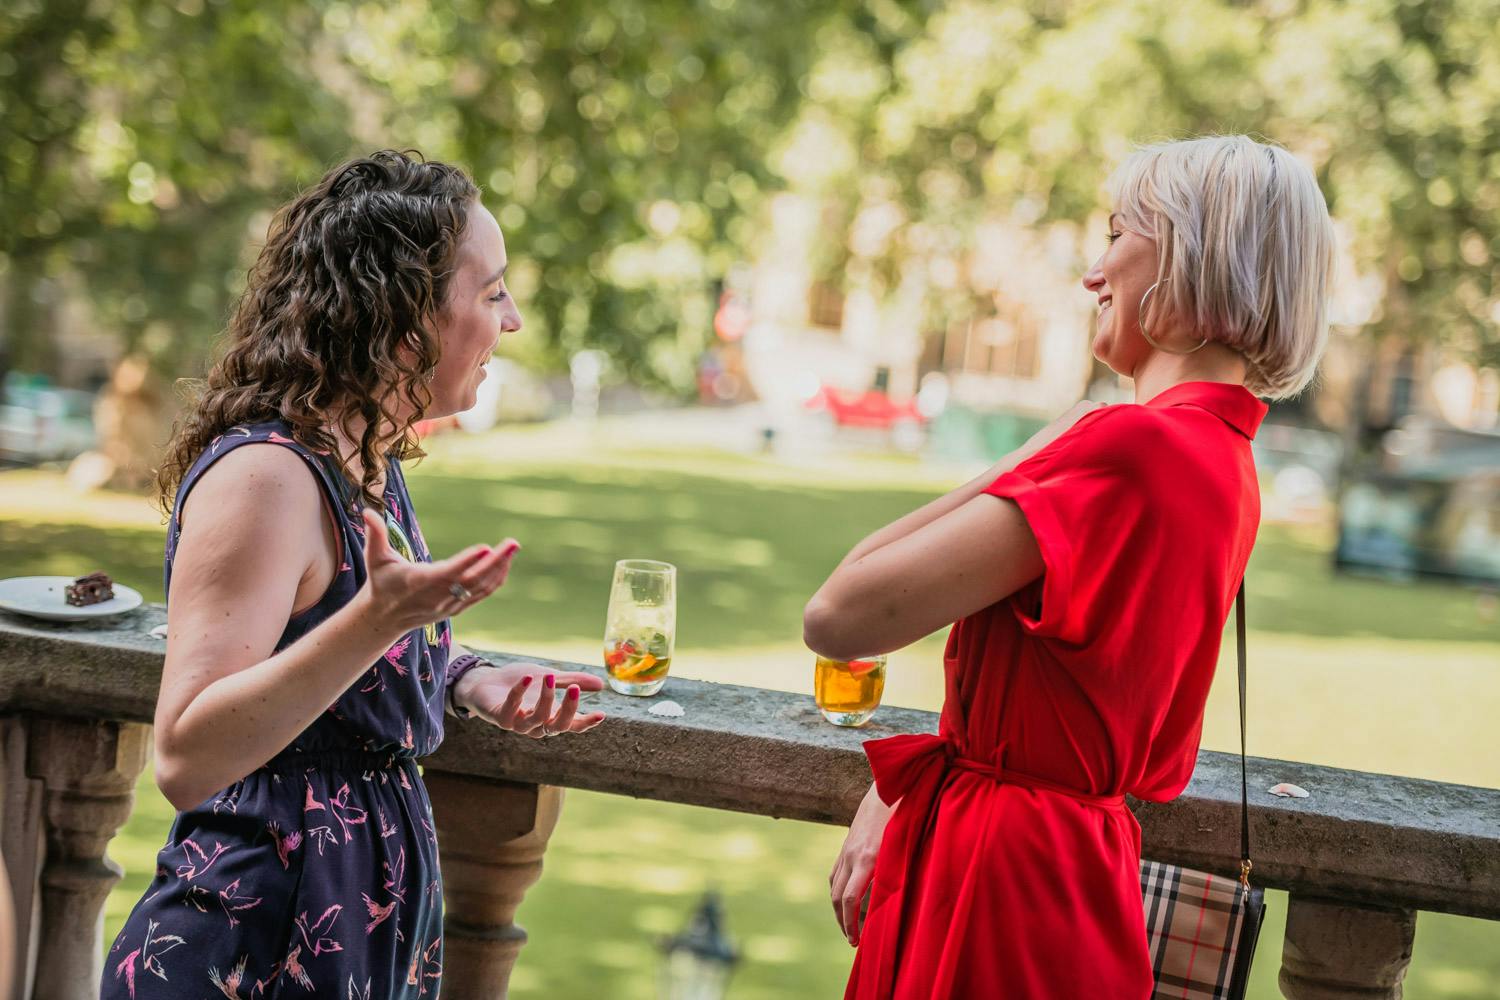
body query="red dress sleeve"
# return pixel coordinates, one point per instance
(1086, 498)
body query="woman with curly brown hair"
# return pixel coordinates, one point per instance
(309, 649)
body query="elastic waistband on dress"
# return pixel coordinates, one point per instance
(336, 760)
(1007, 777)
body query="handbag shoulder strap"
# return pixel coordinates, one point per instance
(1239, 635)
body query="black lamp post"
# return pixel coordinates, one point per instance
(696, 963)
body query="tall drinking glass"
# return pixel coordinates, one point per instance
(641, 626)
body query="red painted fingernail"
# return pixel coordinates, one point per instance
(550, 681)
(573, 692)
(526, 681)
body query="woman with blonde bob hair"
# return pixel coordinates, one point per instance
(1089, 574)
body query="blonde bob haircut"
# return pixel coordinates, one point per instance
(1245, 250)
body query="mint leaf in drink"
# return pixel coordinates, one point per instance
(658, 645)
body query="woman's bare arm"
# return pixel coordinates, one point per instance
(946, 560)
(227, 704)
(966, 560)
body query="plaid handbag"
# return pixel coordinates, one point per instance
(1202, 928)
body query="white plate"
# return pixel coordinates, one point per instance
(42, 597)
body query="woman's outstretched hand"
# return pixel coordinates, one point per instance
(406, 595)
(522, 697)
(855, 867)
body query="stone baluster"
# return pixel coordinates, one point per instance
(1337, 951)
(491, 835)
(21, 845)
(88, 770)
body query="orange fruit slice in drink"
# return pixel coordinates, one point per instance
(645, 663)
(861, 667)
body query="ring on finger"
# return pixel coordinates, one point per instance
(459, 591)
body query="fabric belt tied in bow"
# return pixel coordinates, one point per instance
(911, 769)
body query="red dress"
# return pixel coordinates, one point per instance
(1011, 867)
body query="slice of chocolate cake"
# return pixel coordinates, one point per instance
(96, 588)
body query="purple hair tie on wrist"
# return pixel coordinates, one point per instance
(457, 667)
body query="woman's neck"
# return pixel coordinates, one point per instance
(1214, 362)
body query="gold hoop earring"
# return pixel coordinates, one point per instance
(1140, 316)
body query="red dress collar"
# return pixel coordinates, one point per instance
(1233, 404)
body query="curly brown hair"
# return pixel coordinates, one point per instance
(336, 323)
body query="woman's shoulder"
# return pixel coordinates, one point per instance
(1121, 436)
(256, 464)
(261, 471)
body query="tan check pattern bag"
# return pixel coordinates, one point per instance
(1202, 928)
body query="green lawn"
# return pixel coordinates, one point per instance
(1355, 673)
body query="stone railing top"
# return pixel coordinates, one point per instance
(1364, 838)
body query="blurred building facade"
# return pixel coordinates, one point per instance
(1023, 345)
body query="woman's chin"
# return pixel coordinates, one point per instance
(1106, 351)
(1100, 346)
(440, 407)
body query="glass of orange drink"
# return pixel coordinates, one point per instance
(848, 691)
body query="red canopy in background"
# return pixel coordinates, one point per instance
(872, 408)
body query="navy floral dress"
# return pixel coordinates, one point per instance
(317, 874)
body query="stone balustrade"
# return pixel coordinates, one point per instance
(1359, 857)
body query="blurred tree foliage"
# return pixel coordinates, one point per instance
(1020, 111)
(626, 145)
(142, 146)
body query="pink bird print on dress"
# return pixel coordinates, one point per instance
(347, 815)
(230, 984)
(316, 935)
(430, 968)
(387, 828)
(150, 953)
(285, 845)
(376, 682)
(276, 438)
(355, 993)
(288, 966)
(233, 902)
(312, 803)
(395, 653)
(378, 914)
(193, 869)
(293, 968)
(395, 876)
(407, 742)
